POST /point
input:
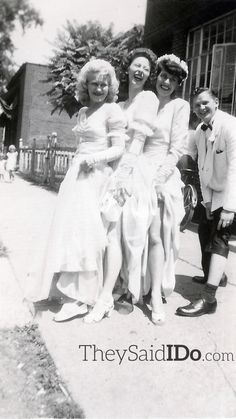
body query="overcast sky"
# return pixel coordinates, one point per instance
(36, 45)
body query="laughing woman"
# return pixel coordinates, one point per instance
(78, 236)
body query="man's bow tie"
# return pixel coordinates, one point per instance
(204, 127)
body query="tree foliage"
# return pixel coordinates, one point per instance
(13, 12)
(75, 45)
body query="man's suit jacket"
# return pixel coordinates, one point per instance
(217, 171)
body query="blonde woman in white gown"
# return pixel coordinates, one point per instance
(78, 235)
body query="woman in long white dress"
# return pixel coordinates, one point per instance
(139, 66)
(78, 235)
(152, 215)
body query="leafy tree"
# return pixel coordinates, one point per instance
(74, 47)
(13, 12)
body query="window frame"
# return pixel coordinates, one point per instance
(194, 78)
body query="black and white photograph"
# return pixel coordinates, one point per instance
(117, 209)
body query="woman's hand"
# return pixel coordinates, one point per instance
(159, 188)
(123, 190)
(226, 219)
(87, 165)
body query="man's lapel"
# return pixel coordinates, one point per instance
(201, 147)
(215, 134)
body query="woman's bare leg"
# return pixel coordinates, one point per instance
(156, 264)
(113, 261)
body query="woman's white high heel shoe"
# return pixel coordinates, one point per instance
(101, 309)
(70, 310)
(158, 317)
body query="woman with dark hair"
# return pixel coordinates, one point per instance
(162, 151)
(124, 76)
(139, 108)
(174, 67)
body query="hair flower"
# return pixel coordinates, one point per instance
(174, 59)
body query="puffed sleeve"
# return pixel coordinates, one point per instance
(145, 112)
(178, 140)
(116, 125)
(144, 115)
(80, 114)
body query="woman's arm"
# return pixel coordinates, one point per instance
(143, 121)
(178, 139)
(142, 126)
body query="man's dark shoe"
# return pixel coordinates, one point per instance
(197, 308)
(203, 280)
(124, 304)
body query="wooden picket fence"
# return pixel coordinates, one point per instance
(46, 166)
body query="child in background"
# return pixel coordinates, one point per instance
(11, 162)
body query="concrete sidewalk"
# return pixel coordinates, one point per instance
(12, 311)
(139, 386)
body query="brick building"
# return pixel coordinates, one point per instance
(31, 115)
(204, 33)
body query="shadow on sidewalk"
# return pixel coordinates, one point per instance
(187, 288)
(184, 286)
(38, 308)
(193, 227)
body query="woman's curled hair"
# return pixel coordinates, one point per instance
(173, 65)
(130, 57)
(97, 66)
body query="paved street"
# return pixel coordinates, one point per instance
(105, 385)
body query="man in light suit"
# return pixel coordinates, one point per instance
(215, 144)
